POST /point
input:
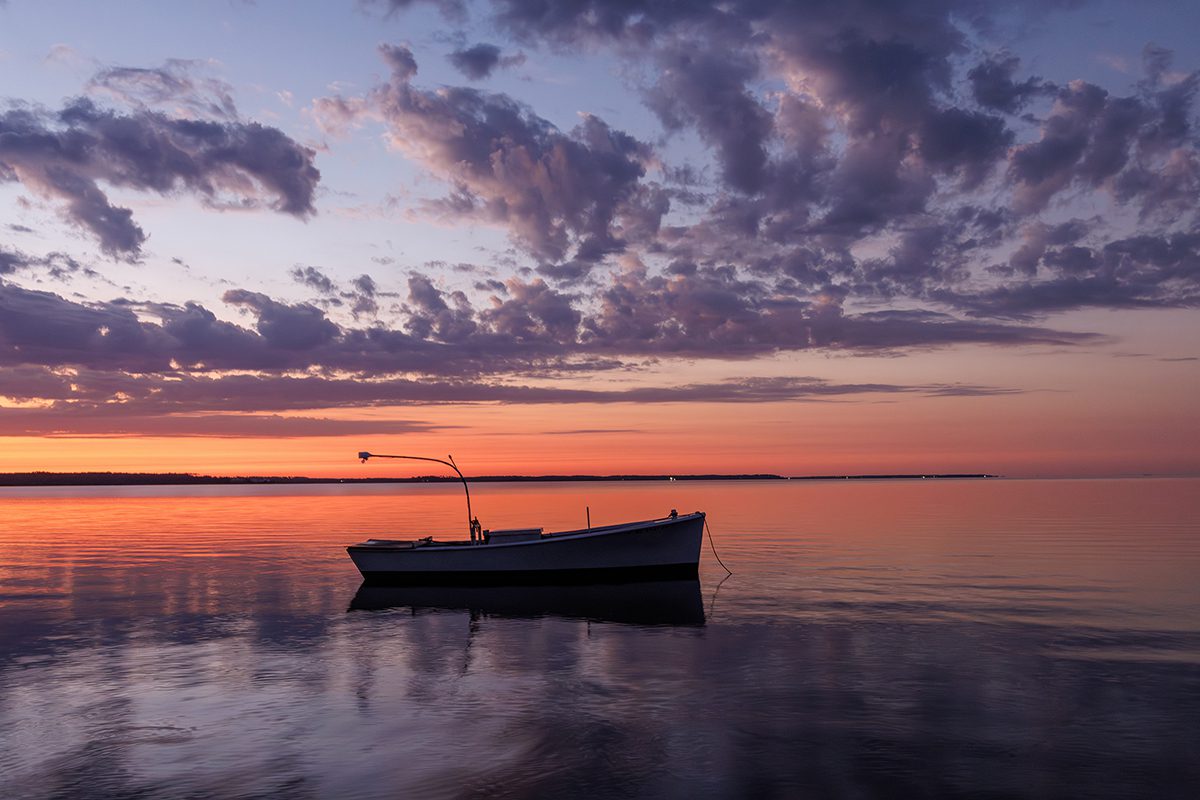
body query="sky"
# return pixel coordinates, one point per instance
(798, 237)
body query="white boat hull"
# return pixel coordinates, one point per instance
(668, 547)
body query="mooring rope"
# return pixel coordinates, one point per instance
(713, 547)
(712, 604)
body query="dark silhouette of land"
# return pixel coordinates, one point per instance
(187, 478)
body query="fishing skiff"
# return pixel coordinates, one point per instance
(657, 548)
(668, 547)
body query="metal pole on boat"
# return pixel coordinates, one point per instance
(470, 517)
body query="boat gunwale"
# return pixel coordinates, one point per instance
(573, 535)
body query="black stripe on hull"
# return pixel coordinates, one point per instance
(534, 577)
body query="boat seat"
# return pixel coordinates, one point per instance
(397, 544)
(512, 535)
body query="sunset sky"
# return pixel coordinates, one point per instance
(800, 237)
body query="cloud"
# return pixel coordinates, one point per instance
(533, 312)
(594, 20)
(431, 316)
(363, 296)
(453, 10)
(555, 191)
(993, 87)
(67, 155)
(313, 278)
(92, 397)
(857, 141)
(534, 329)
(56, 264)
(478, 61)
(716, 313)
(1144, 271)
(856, 177)
(12, 260)
(176, 87)
(125, 367)
(707, 88)
(864, 151)
(73, 422)
(43, 328)
(286, 327)
(1137, 147)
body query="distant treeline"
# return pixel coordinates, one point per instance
(931, 475)
(186, 478)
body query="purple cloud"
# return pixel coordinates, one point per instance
(533, 329)
(283, 326)
(1143, 271)
(994, 88)
(67, 156)
(313, 278)
(478, 61)
(869, 179)
(860, 150)
(554, 191)
(84, 422)
(707, 89)
(1138, 147)
(176, 84)
(82, 402)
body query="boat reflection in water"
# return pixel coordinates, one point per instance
(673, 602)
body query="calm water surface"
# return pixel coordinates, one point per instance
(955, 638)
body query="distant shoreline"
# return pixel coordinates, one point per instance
(188, 479)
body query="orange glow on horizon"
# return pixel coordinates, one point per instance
(1019, 435)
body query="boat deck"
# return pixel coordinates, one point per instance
(500, 538)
